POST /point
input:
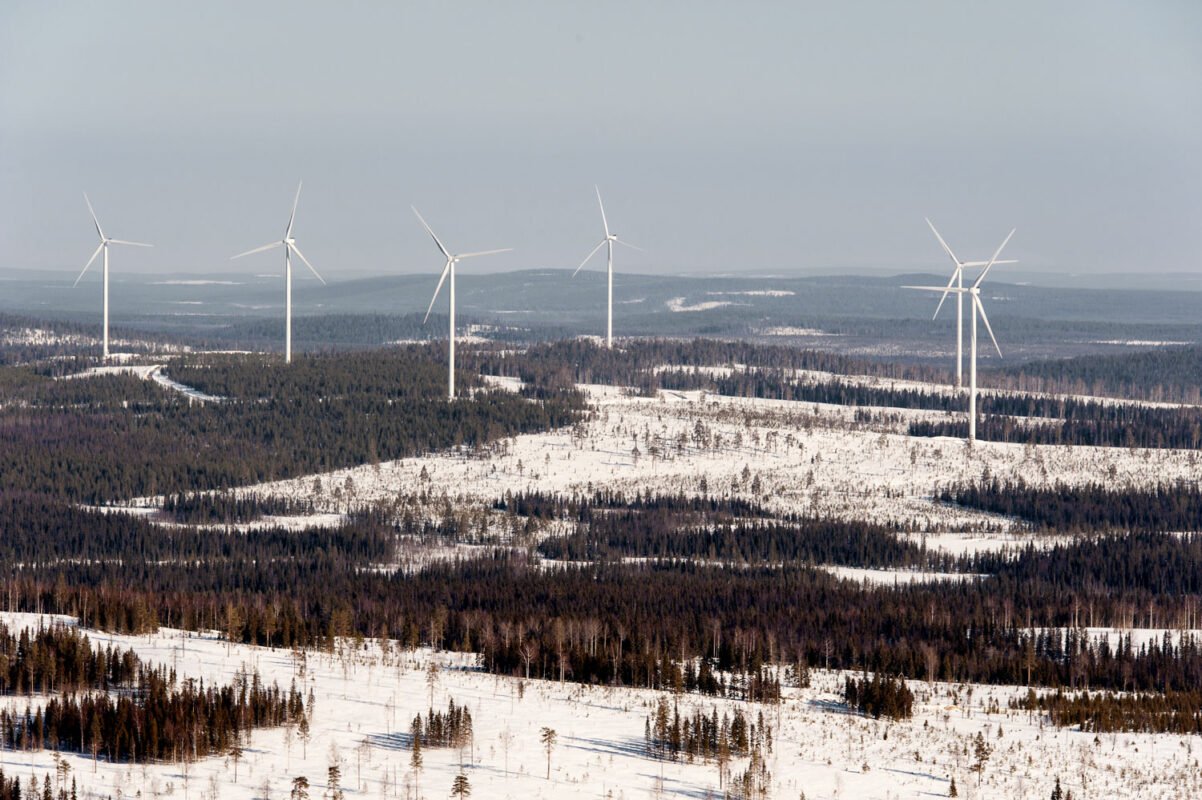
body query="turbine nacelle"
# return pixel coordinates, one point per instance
(448, 270)
(289, 245)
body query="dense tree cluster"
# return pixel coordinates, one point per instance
(638, 363)
(673, 623)
(1154, 427)
(1085, 507)
(610, 525)
(148, 718)
(228, 507)
(645, 534)
(1177, 712)
(60, 659)
(880, 696)
(1164, 374)
(116, 437)
(452, 728)
(669, 734)
(159, 720)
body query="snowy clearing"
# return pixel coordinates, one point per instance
(148, 372)
(807, 458)
(365, 699)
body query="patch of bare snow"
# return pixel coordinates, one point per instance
(677, 305)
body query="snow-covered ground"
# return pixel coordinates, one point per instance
(677, 305)
(799, 457)
(894, 577)
(787, 330)
(365, 699)
(152, 372)
(969, 544)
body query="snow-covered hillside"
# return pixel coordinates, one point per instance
(799, 457)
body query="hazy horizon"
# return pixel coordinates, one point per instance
(806, 139)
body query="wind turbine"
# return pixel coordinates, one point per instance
(103, 247)
(974, 292)
(449, 269)
(289, 245)
(957, 278)
(608, 241)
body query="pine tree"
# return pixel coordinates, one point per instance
(461, 787)
(235, 756)
(333, 782)
(981, 753)
(415, 757)
(1057, 792)
(952, 791)
(548, 737)
(300, 788)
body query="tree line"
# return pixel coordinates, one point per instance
(115, 437)
(152, 717)
(1086, 507)
(1178, 712)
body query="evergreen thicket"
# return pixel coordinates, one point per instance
(880, 696)
(107, 702)
(115, 437)
(1085, 507)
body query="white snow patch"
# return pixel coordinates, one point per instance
(894, 577)
(677, 304)
(787, 330)
(1141, 343)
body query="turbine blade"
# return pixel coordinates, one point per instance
(981, 308)
(296, 250)
(257, 250)
(986, 263)
(952, 290)
(95, 253)
(445, 271)
(631, 246)
(946, 249)
(484, 253)
(993, 260)
(291, 218)
(591, 253)
(93, 213)
(135, 244)
(604, 221)
(446, 253)
(950, 282)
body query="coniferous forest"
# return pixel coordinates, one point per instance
(700, 594)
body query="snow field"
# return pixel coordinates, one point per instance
(808, 458)
(365, 697)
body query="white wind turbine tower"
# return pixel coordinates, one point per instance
(449, 269)
(103, 247)
(974, 292)
(289, 245)
(608, 241)
(957, 279)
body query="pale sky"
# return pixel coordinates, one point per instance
(726, 137)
